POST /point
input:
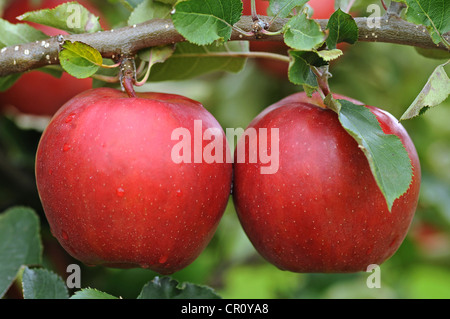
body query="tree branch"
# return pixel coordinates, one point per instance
(128, 40)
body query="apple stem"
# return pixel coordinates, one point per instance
(253, 10)
(322, 76)
(128, 86)
(128, 76)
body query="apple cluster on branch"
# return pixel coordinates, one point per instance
(128, 40)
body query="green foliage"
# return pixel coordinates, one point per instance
(167, 288)
(300, 72)
(90, 293)
(388, 159)
(436, 91)
(71, 17)
(13, 34)
(434, 14)
(204, 21)
(19, 243)
(43, 284)
(149, 9)
(342, 28)
(79, 59)
(304, 34)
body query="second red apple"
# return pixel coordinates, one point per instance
(322, 211)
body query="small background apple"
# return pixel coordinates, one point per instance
(37, 92)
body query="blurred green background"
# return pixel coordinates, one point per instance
(384, 75)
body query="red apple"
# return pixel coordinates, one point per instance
(36, 92)
(322, 211)
(111, 190)
(39, 93)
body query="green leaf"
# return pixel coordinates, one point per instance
(20, 243)
(433, 14)
(388, 159)
(71, 17)
(282, 8)
(436, 91)
(157, 54)
(167, 288)
(303, 34)
(79, 59)
(19, 33)
(329, 55)
(90, 293)
(204, 21)
(342, 28)
(300, 72)
(43, 284)
(190, 60)
(149, 9)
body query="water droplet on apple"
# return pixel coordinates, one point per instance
(120, 192)
(70, 117)
(64, 235)
(179, 193)
(163, 259)
(50, 171)
(67, 147)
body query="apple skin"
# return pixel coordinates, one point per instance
(44, 93)
(322, 211)
(110, 190)
(39, 93)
